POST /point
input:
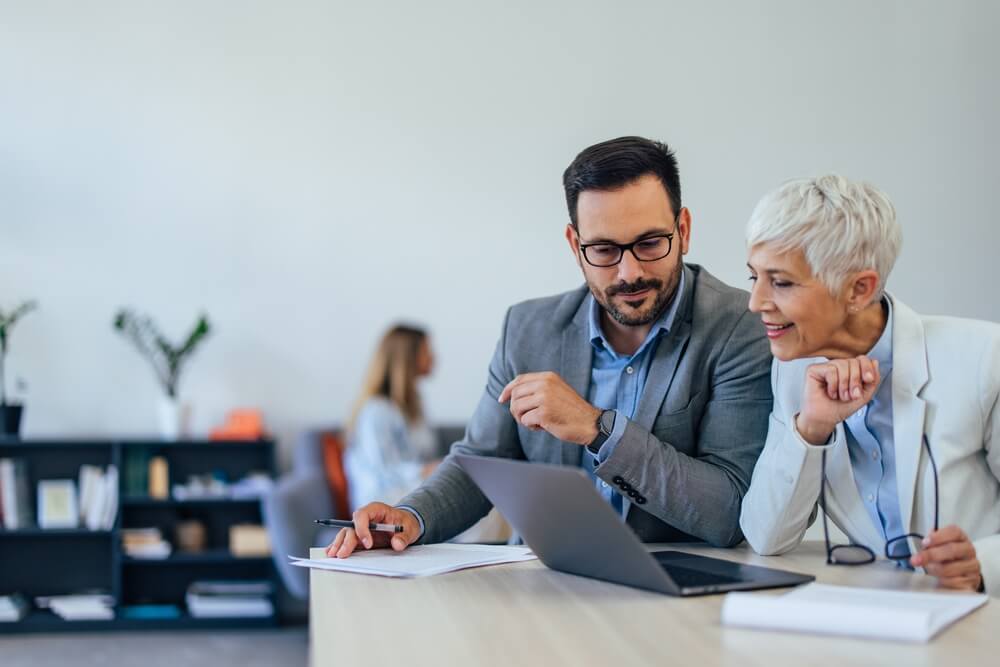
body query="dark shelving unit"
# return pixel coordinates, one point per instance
(36, 561)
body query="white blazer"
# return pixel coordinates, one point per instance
(945, 383)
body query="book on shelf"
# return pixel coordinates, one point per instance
(79, 607)
(234, 599)
(110, 497)
(150, 611)
(57, 504)
(15, 497)
(249, 540)
(91, 479)
(98, 496)
(145, 543)
(232, 587)
(13, 607)
(135, 472)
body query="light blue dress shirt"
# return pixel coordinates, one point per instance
(871, 447)
(617, 382)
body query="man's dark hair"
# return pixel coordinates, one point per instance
(612, 164)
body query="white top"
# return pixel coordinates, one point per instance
(385, 455)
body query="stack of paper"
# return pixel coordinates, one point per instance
(12, 608)
(95, 607)
(419, 561)
(145, 543)
(217, 599)
(859, 612)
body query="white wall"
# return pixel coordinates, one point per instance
(306, 172)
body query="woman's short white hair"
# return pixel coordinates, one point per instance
(840, 226)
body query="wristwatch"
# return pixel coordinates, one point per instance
(605, 425)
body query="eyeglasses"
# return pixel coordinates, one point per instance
(606, 253)
(857, 554)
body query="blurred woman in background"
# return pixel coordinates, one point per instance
(390, 446)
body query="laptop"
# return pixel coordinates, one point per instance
(557, 511)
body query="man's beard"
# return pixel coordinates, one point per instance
(664, 293)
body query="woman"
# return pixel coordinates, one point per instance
(390, 447)
(896, 411)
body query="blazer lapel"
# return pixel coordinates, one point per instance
(574, 367)
(668, 356)
(909, 375)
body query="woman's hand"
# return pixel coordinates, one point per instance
(833, 391)
(949, 555)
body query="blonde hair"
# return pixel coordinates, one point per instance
(392, 373)
(840, 226)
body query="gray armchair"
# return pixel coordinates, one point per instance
(303, 495)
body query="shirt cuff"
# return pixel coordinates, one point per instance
(608, 448)
(415, 513)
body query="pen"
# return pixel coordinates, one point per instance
(341, 523)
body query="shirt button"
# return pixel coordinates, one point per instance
(629, 370)
(604, 485)
(875, 455)
(871, 497)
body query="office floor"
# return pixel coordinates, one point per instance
(288, 647)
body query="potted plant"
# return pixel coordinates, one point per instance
(10, 413)
(167, 360)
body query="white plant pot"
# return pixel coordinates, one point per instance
(174, 419)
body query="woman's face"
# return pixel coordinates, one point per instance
(801, 316)
(425, 358)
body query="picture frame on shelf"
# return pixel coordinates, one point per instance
(57, 504)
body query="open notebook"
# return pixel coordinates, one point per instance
(419, 561)
(859, 612)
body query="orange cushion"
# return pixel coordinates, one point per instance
(333, 464)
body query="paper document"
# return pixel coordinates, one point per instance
(858, 612)
(419, 561)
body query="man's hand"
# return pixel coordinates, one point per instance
(949, 555)
(833, 391)
(348, 539)
(543, 401)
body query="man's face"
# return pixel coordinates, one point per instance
(632, 292)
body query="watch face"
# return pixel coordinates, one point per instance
(607, 421)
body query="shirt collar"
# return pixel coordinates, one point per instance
(882, 351)
(660, 327)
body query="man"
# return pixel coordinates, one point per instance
(653, 377)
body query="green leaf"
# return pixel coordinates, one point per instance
(200, 331)
(6, 322)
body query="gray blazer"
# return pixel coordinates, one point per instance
(690, 449)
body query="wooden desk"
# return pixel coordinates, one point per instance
(526, 614)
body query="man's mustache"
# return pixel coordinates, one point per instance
(632, 288)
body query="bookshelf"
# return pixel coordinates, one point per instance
(39, 562)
